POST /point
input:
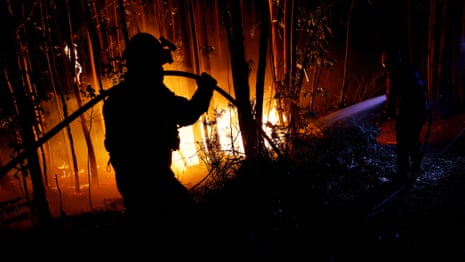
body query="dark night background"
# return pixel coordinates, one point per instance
(319, 204)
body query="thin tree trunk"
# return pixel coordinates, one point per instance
(94, 45)
(63, 84)
(240, 73)
(31, 89)
(275, 52)
(440, 49)
(39, 206)
(289, 66)
(274, 41)
(460, 83)
(430, 55)
(260, 80)
(83, 121)
(193, 58)
(345, 82)
(122, 19)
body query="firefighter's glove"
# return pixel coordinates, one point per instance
(206, 81)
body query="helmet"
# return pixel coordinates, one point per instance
(390, 58)
(144, 48)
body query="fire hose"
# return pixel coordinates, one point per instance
(228, 97)
(21, 156)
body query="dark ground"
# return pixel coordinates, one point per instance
(317, 207)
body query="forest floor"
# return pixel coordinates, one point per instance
(319, 206)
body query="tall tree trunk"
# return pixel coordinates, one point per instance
(345, 82)
(431, 53)
(65, 84)
(122, 20)
(440, 56)
(83, 121)
(290, 66)
(94, 45)
(277, 59)
(198, 32)
(275, 43)
(460, 65)
(26, 67)
(39, 206)
(260, 80)
(240, 74)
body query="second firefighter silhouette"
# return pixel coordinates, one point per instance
(142, 117)
(406, 102)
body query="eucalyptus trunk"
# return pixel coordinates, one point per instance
(240, 75)
(260, 80)
(74, 82)
(345, 82)
(460, 65)
(290, 66)
(440, 50)
(26, 113)
(65, 84)
(431, 76)
(276, 46)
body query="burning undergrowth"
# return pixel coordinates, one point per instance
(327, 174)
(327, 192)
(306, 201)
(325, 171)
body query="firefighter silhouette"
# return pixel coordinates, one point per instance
(406, 102)
(142, 117)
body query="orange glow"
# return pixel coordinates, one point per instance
(74, 191)
(229, 133)
(186, 156)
